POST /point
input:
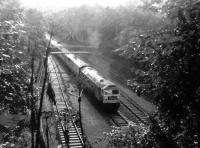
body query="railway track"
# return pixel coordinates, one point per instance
(69, 132)
(135, 109)
(140, 115)
(119, 119)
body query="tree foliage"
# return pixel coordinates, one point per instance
(22, 33)
(107, 28)
(169, 62)
(13, 80)
(10, 10)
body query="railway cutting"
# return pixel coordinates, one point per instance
(103, 90)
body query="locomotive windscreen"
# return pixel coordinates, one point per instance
(115, 91)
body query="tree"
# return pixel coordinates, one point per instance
(13, 80)
(10, 10)
(170, 61)
(35, 27)
(21, 33)
(38, 136)
(14, 67)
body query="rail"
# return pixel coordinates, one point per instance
(55, 70)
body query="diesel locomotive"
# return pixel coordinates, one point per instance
(103, 90)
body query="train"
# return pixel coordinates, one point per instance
(102, 90)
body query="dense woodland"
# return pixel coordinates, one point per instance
(160, 39)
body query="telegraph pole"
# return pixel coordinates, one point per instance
(79, 104)
(32, 97)
(42, 93)
(48, 114)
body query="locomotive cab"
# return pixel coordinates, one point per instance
(110, 94)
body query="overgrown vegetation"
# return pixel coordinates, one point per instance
(21, 32)
(169, 62)
(14, 80)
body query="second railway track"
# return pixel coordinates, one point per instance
(70, 133)
(135, 109)
(141, 116)
(119, 120)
